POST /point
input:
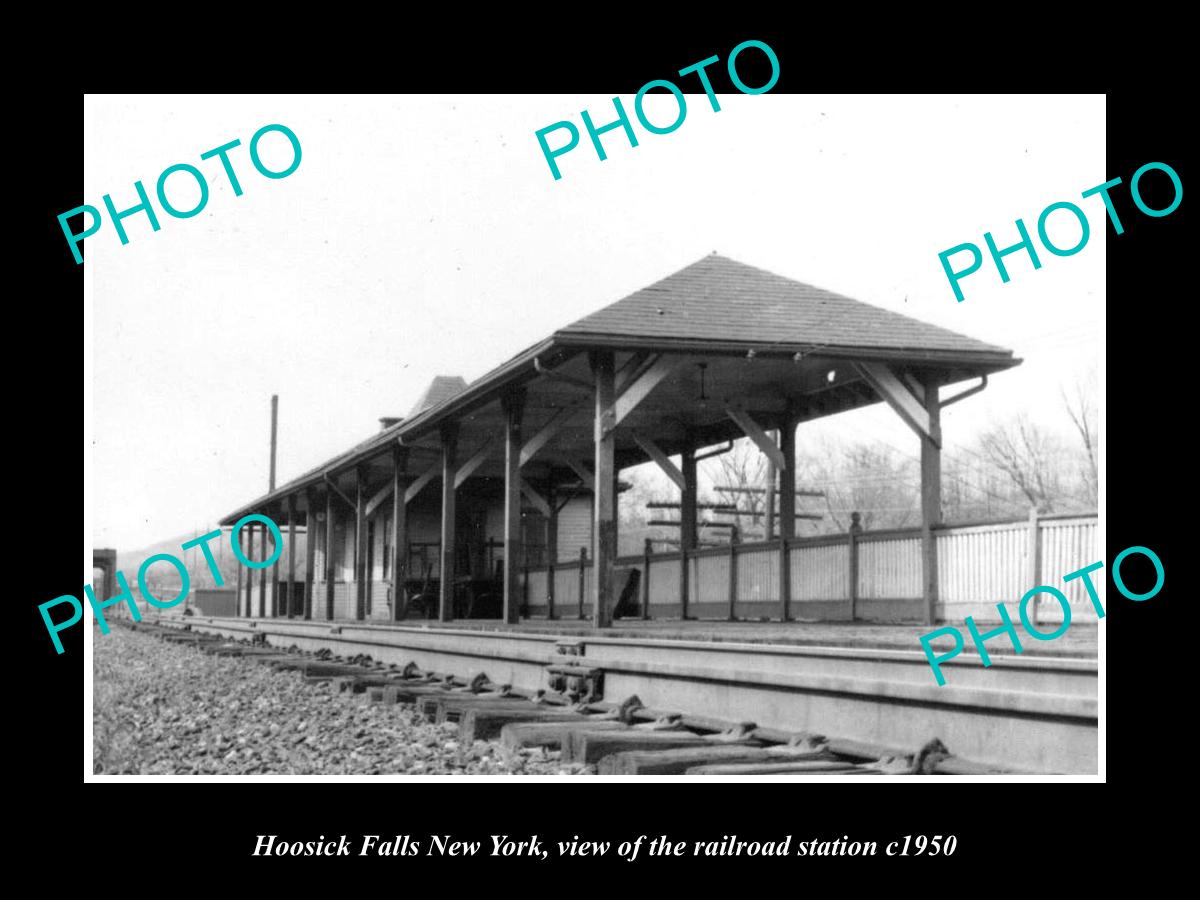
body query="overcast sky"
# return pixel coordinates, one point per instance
(425, 235)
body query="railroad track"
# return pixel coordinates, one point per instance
(624, 738)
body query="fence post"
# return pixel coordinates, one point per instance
(1033, 562)
(582, 563)
(733, 576)
(550, 588)
(647, 550)
(852, 538)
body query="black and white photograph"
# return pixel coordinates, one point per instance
(705, 433)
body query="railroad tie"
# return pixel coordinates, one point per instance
(549, 731)
(448, 707)
(678, 760)
(796, 767)
(591, 746)
(534, 726)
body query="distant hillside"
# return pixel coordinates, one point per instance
(199, 572)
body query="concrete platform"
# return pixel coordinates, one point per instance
(1079, 641)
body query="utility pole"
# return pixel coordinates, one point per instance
(274, 433)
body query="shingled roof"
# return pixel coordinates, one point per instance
(715, 304)
(719, 299)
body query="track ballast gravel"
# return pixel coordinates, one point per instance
(167, 709)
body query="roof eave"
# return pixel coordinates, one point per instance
(992, 358)
(478, 393)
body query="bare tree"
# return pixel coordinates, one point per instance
(1029, 456)
(868, 478)
(1081, 408)
(744, 468)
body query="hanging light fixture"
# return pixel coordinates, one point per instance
(702, 366)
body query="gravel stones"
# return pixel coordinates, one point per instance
(164, 709)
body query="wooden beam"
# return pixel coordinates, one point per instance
(604, 506)
(535, 498)
(262, 575)
(378, 497)
(333, 487)
(477, 459)
(687, 505)
(753, 431)
(291, 542)
(900, 398)
(787, 514)
(637, 391)
(449, 557)
(360, 545)
(551, 516)
(275, 580)
(687, 528)
(423, 479)
(931, 501)
(329, 555)
(513, 405)
(633, 368)
(310, 549)
(238, 606)
(918, 389)
(553, 425)
(579, 469)
(399, 532)
(664, 462)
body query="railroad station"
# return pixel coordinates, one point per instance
(481, 530)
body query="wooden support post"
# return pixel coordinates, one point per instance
(449, 464)
(275, 577)
(262, 574)
(329, 529)
(360, 544)
(1033, 561)
(513, 405)
(551, 549)
(583, 577)
(525, 580)
(400, 482)
(647, 550)
(787, 514)
(604, 508)
(852, 538)
(310, 549)
(931, 499)
(248, 549)
(771, 486)
(291, 541)
(238, 606)
(687, 526)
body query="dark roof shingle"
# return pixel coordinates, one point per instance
(719, 299)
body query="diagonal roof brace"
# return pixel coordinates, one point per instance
(664, 462)
(333, 487)
(901, 398)
(755, 432)
(638, 388)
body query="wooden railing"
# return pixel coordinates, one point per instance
(869, 575)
